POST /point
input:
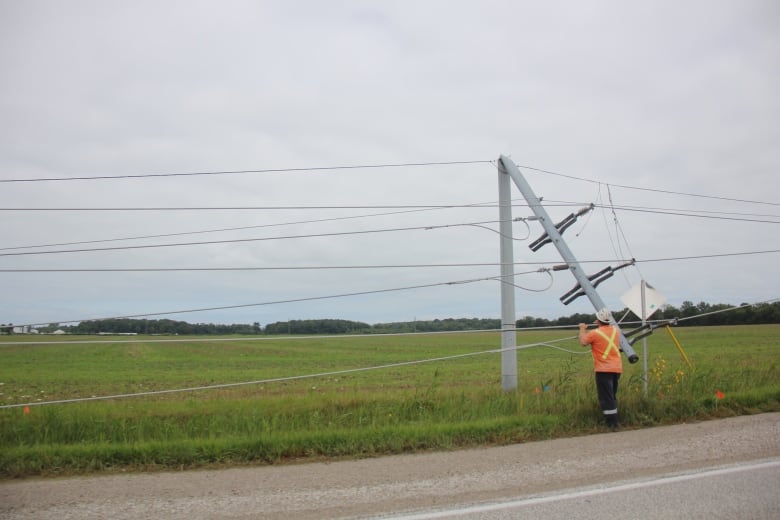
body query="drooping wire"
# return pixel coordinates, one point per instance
(588, 217)
(513, 284)
(299, 377)
(298, 300)
(547, 344)
(615, 247)
(620, 234)
(278, 302)
(244, 228)
(220, 230)
(612, 207)
(499, 233)
(243, 240)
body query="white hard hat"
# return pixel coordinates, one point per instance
(603, 315)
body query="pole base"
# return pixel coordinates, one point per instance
(633, 359)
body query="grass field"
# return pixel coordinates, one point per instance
(440, 404)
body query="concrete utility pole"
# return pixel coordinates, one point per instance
(508, 324)
(505, 164)
(644, 339)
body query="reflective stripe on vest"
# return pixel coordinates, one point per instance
(611, 343)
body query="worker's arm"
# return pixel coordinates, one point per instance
(583, 333)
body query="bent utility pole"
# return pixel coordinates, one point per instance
(554, 235)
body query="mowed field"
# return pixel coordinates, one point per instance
(213, 401)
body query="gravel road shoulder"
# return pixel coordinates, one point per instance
(374, 486)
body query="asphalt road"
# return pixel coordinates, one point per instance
(740, 491)
(727, 468)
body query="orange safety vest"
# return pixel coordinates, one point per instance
(606, 353)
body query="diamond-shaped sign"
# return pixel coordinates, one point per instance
(633, 300)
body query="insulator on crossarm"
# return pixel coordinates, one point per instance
(561, 226)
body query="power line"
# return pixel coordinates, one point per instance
(370, 166)
(267, 170)
(295, 300)
(477, 224)
(299, 377)
(359, 293)
(690, 214)
(250, 208)
(478, 205)
(616, 243)
(407, 207)
(546, 344)
(243, 228)
(267, 268)
(716, 255)
(278, 302)
(258, 239)
(655, 190)
(669, 192)
(687, 212)
(238, 240)
(247, 383)
(719, 311)
(348, 267)
(410, 207)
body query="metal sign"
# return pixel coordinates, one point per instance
(634, 297)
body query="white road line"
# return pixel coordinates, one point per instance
(584, 493)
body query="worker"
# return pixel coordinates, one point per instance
(604, 343)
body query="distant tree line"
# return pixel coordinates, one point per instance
(131, 326)
(445, 325)
(708, 314)
(316, 327)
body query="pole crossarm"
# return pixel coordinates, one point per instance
(647, 329)
(595, 279)
(561, 226)
(557, 240)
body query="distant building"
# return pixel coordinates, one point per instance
(25, 329)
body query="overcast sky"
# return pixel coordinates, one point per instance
(664, 114)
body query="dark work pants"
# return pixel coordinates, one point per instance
(607, 387)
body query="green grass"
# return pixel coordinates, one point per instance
(429, 406)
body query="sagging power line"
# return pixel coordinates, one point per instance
(407, 207)
(218, 386)
(258, 239)
(480, 205)
(258, 226)
(291, 300)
